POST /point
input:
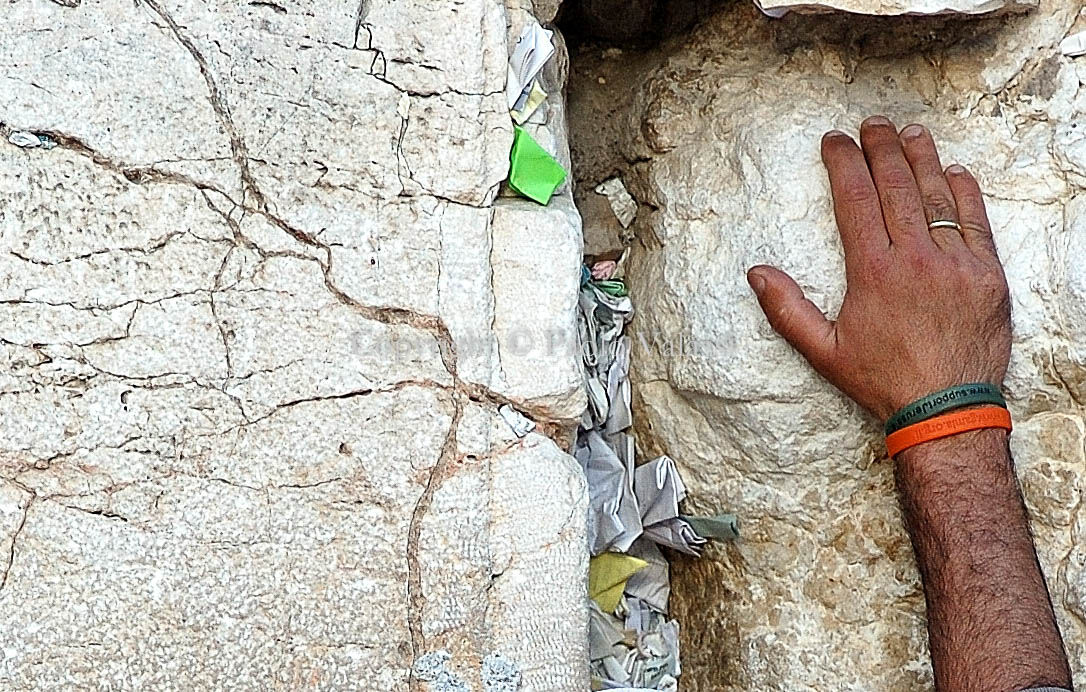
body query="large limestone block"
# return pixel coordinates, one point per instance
(256, 310)
(542, 567)
(821, 592)
(537, 272)
(131, 566)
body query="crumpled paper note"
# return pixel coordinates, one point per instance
(517, 421)
(607, 575)
(659, 491)
(536, 97)
(637, 648)
(615, 521)
(533, 172)
(533, 49)
(622, 203)
(633, 509)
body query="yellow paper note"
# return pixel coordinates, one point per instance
(607, 575)
(535, 99)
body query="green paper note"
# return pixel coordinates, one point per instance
(532, 171)
(720, 527)
(614, 287)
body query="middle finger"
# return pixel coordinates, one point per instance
(934, 190)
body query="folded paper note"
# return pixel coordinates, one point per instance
(534, 48)
(651, 585)
(622, 203)
(1074, 45)
(607, 575)
(614, 520)
(521, 424)
(532, 171)
(536, 97)
(721, 527)
(613, 287)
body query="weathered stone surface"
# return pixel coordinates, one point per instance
(895, 7)
(531, 323)
(542, 565)
(257, 312)
(721, 146)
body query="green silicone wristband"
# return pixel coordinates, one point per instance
(945, 400)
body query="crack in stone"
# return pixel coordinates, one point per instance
(218, 103)
(14, 538)
(359, 24)
(233, 224)
(395, 387)
(303, 486)
(401, 159)
(223, 331)
(44, 464)
(402, 384)
(155, 246)
(76, 344)
(415, 596)
(133, 173)
(104, 513)
(76, 306)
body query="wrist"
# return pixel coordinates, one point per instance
(952, 398)
(973, 449)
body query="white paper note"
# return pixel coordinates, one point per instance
(534, 48)
(1074, 45)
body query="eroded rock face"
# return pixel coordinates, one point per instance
(895, 7)
(821, 593)
(258, 309)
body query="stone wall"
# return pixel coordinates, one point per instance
(258, 308)
(716, 134)
(260, 303)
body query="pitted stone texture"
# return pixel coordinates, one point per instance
(224, 538)
(538, 347)
(539, 566)
(253, 331)
(821, 592)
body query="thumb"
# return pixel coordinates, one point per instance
(793, 316)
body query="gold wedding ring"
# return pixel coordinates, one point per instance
(944, 224)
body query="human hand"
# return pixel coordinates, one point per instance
(924, 309)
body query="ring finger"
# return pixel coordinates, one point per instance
(935, 193)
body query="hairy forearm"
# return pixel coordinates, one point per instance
(990, 620)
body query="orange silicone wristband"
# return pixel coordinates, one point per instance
(946, 425)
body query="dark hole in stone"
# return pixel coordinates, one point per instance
(631, 22)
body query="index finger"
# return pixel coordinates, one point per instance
(855, 199)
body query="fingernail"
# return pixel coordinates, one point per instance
(834, 133)
(877, 120)
(912, 131)
(757, 282)
(955, 170)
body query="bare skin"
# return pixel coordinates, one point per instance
(925, 310)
